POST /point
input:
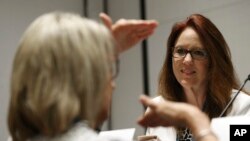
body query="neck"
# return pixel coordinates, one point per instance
(195, 97)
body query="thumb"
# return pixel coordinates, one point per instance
(147, 101)
(106, 20)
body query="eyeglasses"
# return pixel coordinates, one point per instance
(197, 53)
(115, 68)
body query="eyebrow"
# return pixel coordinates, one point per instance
(192, 48)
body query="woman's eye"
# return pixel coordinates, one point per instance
(181, 51)
(199, 53)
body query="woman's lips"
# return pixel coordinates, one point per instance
(187, 71)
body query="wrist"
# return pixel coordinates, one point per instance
(199, 123)
(197, 120)
(205, 134)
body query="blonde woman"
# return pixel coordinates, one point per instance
(63, 76)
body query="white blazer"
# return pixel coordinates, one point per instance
(79, 132)
(240, 106)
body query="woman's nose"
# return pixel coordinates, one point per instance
(188, 58)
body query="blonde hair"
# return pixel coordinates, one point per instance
(59, 73)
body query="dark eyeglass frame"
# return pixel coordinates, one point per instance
(196, 53)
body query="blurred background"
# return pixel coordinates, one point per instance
(140, 66)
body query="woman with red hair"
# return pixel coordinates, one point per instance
(198, 70)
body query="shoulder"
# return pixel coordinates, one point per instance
(241, 105)
(78, 132)
(242, 96)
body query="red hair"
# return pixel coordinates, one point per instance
(222, 77)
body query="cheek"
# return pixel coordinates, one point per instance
(108, 94)
(204, 69)
(176, 67)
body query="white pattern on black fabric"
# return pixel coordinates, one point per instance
(184, 135)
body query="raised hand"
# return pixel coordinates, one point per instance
(162, 113)
(167, 113)
(127, 33)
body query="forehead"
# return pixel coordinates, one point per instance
(189, 39)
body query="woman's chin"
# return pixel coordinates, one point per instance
(186, 83)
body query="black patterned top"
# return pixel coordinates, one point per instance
(184, 135)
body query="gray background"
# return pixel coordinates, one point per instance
(230, 16)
